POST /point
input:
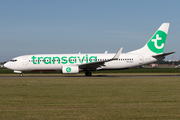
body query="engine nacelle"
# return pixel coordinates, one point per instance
(16, 71)
(70, 69)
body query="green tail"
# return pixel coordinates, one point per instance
(157, 42)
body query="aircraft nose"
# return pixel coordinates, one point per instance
(7, 65)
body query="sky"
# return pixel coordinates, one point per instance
(86, 26)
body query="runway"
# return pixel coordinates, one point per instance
(95, 76)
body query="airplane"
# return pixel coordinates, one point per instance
(74, 63)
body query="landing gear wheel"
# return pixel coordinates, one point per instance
(88, 73)
(21, 75)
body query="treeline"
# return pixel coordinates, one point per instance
(167, 62)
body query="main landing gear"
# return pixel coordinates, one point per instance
(88, 73)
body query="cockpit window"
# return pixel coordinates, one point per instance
(13, 60)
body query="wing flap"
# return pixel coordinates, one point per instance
(92, 65)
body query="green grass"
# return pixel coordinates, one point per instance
(89, 98)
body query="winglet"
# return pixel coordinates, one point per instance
(116, 57)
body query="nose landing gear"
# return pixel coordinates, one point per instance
(21, 75)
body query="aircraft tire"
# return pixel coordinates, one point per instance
(21, 75)
(88, 73)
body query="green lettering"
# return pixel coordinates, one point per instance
(33, 58)
(73, 58)
(39, 59)
(81, 61)
(47, 62)
(95, 57)
(86, 58)
(64, 60)
(54, 58)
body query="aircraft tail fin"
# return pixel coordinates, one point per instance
(157, 42)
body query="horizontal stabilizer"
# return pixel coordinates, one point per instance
(163, 55)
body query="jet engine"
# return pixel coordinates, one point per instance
(70, 69)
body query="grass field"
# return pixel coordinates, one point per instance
(89, 98)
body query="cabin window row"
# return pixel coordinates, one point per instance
(83, 60)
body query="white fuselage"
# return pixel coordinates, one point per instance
(50, 62)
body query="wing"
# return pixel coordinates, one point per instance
(94, 65)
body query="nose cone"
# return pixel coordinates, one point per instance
(7, 65)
